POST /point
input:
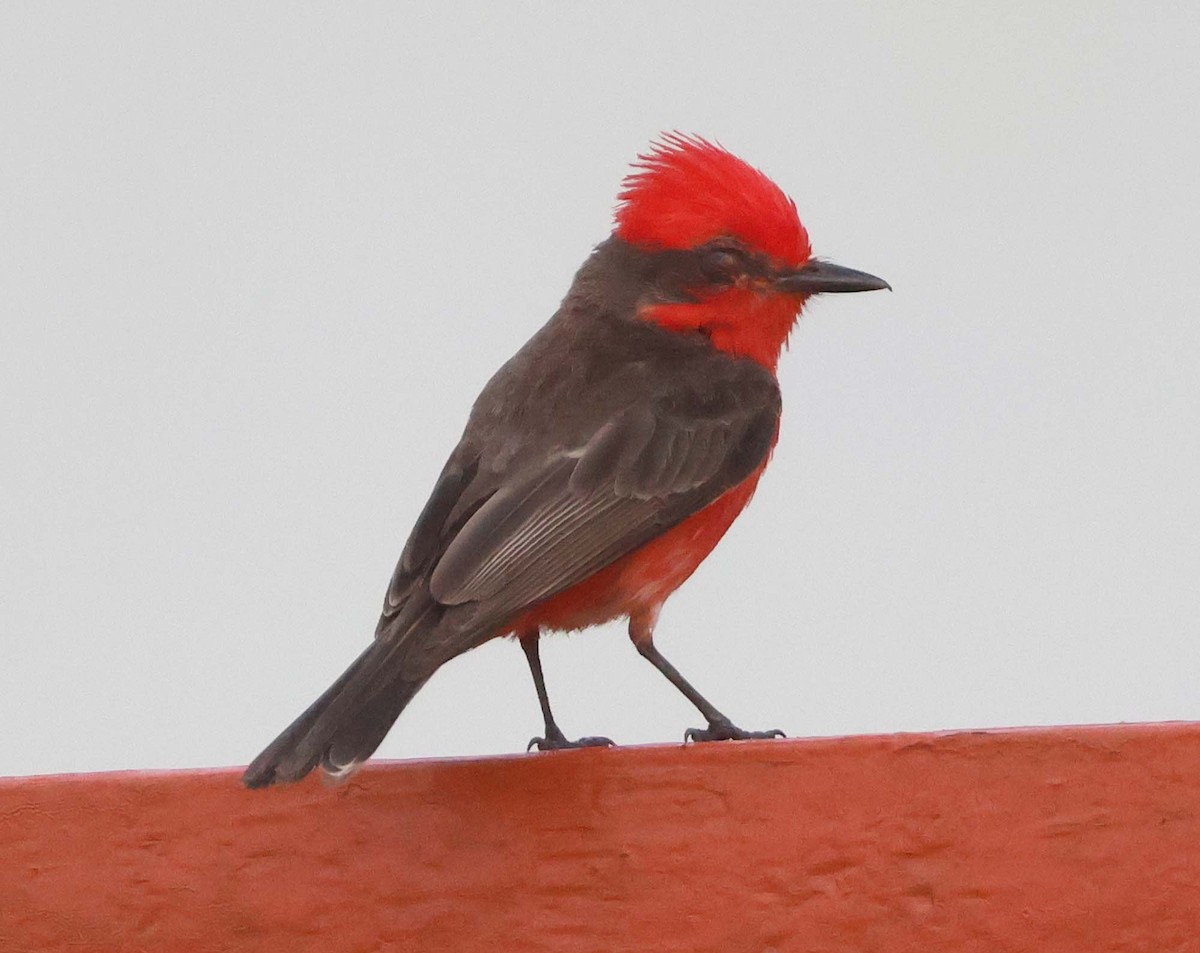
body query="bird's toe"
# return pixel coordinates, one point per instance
(728, 731)
(560, 743)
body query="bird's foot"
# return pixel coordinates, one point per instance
(726, 730)
(555, 740)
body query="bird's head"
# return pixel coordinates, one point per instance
(741, 259)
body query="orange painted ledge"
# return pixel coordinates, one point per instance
(1056, 839)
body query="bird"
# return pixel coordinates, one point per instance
(604, 461)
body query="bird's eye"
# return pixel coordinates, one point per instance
(723, 262)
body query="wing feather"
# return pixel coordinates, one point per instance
(581, 509)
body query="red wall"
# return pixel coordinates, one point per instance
(1063, 839)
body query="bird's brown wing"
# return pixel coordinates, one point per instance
(578, 509)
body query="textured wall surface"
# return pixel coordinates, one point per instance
(1072, 839)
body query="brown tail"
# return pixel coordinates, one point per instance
(348, 722)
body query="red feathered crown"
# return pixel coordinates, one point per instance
(687, 191)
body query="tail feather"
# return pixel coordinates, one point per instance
(352, 746)
(351, 718)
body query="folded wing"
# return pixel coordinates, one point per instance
(579, 509)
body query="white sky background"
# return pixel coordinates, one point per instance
(256, 262)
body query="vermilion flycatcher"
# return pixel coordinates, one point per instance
(605, 460)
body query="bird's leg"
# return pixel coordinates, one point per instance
(553, 739)
(720, 728)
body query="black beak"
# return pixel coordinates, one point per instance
(821, 277)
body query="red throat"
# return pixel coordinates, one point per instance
(742, 322)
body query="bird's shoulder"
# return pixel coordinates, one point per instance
(583, 369)
(599, 408)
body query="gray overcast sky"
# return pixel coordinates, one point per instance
(257, 260)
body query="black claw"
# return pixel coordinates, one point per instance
(727, 731)
(560, 743)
